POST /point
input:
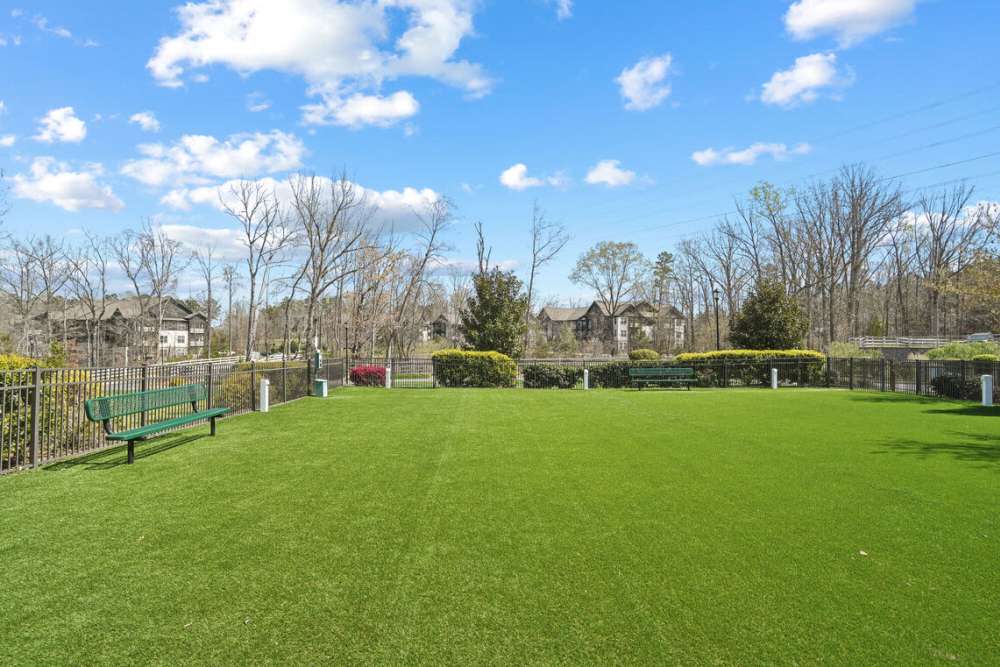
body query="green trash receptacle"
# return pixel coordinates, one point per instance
(319, 388)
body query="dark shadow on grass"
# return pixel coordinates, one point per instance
(944, 406)
(100, 460)
(970, 447)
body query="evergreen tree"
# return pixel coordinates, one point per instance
(769, 320)
(493, 319)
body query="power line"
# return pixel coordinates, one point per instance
(881, 121)
(886, 178)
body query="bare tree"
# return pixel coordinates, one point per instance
(231, 279)
(207, 263)
(21, 280)
(54, 271)
(89, 285)
(434, 220)
(548, 238)
(946, 233)
(333, 220)
(265, 236)
(614, 271)
(483, 252)
(131, 253)
(164, 263)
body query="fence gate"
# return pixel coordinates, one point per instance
(412, 374)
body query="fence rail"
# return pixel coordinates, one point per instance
(41, 409)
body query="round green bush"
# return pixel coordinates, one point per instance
(465, 368)
(644, 354)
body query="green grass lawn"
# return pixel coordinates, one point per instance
(516, 526)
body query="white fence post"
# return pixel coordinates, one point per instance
(586, 378)
(265, 394)
(987, 390)
(388, 376)
(774, 378)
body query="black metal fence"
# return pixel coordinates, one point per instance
(42, 415)
(945, 379)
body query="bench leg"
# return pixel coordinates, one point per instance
(131, 452)
(212, 421)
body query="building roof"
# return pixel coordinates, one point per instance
(128, 308)
(562, 314)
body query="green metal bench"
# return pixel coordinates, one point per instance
(108, 408)
(641, 376)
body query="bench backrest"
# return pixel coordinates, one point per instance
(109, 407)
(661, 372)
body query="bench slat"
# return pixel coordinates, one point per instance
(151, 429)
(122, 405)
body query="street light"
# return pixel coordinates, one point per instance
(718, 337)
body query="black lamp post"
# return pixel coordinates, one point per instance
(718, 337)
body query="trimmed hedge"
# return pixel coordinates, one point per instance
(368, 376)
(549, 376)
(465, 368)
(986, 357)
(750, 355)
(644, 354)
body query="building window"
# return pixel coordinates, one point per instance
(180, 340)
(163, 340)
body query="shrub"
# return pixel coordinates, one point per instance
(959, 388)
(753, 367)
(644, 354)
(611, 375)
(548, 376)
(368, 376)
(749, 355)
(964, 350)
(464, 368)
(986, 357)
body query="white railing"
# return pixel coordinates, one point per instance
(869, 342)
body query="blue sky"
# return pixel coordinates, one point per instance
(672, 109)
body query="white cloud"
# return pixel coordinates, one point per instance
(849, 21)
(257, 102)
(227, 241)
(609, 173)
(42, 24)
(146, 120)
(516, 177)
(564, 9)
(55, 182)
(358, 110)
(199, 159)
(7, 140)
(805, 80)
(642, 85)
(340, 48)
(748, 155)
(396, 208)
(3, 106)
(61, 125)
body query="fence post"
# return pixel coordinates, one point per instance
(210, 385)
(725, 374)
(284, 379)
(892, 376)
(144, 386)
(36, 407)
(253, 386)
(309, 373)
(829, 360)
(919, 376)
(881, 374)
(850, 374)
